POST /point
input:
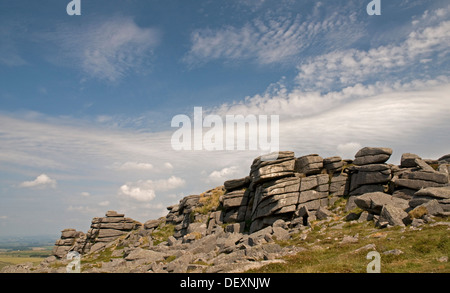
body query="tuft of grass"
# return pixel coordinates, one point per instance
(162, 233)
(209, 201)
(418, 212)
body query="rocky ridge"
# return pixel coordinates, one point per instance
(243, 221)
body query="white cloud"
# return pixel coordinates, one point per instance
(141, 191)
(85, 194)
(220, 176)
(133, 166)
(107, 49)
(145, 190)
(168, 165)
(41, 181)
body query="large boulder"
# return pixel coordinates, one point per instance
(369, 178)
(71, 240)
(339, 185)
(440, 194)
(235, 184)
(310, 164)
(108, 228)
(314, 191)
(235, 205)
(436, 192)
(374, 202)
(372, 155)
(444, 159)
(265, 170)
(276, 197)
(394, 216)
(408, 160)
(421, 179)
(333, 164)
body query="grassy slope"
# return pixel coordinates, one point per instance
(326, 254)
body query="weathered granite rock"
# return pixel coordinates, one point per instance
(68, 242)
(314, 191)
(144, 254)
(276, 197)
(369, 178)
(234, 184)
(404, 193)
(235, 205)
(440, 194)
(108, 228)
(333, 164)
(372, 155)
(152, 224)
(310, 164)
(421, 179)
(374, 202)
(339, 185)
(394, 216)
(323, 213)
(408, 160)
(436, 192)
(444, 159)
(263, 170)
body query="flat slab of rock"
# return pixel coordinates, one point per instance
(310, 164)
(372, 155)
(234, 184)
(264, 170)
(149, 255)
(114, 214)
(437, 192)
(374, 202)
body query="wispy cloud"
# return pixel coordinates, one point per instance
(272, 40)
(10, 32)
(428, 40)
(107, 49)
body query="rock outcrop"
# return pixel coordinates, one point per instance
(71, 239)
(103, 231)
(238, 222)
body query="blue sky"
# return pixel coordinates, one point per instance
(86, 101)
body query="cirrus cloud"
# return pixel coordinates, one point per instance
(107, 49)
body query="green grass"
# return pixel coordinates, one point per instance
(162, 233)
(324, 254)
